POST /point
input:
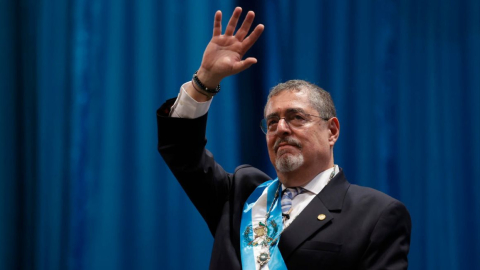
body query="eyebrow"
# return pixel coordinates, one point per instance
(289, 110)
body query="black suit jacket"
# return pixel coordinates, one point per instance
(363, 228)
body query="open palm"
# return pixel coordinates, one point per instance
(223, 55)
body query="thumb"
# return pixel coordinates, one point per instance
(244, 64)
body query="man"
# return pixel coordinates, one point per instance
(310, 217)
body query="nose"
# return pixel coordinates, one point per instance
(283, 127)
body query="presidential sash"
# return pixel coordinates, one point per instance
(259, 240)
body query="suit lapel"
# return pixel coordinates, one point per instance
(304, 225)
(309, 222)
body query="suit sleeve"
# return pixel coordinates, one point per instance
(390, 240)
(181, 143)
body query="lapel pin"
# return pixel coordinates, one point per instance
(321, 217)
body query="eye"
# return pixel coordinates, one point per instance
(299, 116)
(271, 122)
(298, 119)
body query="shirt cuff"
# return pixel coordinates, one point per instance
(187, 107)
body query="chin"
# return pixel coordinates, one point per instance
(289, 163)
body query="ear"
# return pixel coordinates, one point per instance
(334, 130)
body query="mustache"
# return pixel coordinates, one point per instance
(287, 140)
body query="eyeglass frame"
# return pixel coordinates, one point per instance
(295, 111)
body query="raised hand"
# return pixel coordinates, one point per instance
(223, 55)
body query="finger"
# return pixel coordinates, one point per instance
(244, 64)
(217, 24)
(247, 23)
(232, 24)
(253, 37)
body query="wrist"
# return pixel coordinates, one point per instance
(207, 78)
(202, 88)
(200, 91)
(194, 93)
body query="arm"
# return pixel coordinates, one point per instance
(181, 141)
(390, 240)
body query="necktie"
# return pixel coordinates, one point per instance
(287, 197)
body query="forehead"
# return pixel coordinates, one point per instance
(288, 100)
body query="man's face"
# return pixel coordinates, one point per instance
(293, 148)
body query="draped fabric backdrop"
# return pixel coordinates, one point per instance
(83, 187)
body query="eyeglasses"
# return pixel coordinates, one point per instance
(294, 119)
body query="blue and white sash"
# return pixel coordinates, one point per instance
(256, 202)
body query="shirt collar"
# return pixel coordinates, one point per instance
(317, 184)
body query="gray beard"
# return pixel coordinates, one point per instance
(289, 162)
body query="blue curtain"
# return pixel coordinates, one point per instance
(83, 187)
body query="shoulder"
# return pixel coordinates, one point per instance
(369, 195)
(246, 178)
(246, 173)
(246, 169)
(375, 202)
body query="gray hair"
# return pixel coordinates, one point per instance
(319, 98)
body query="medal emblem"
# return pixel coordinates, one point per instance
(263, 258)
(262, 234)
(261, 230)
